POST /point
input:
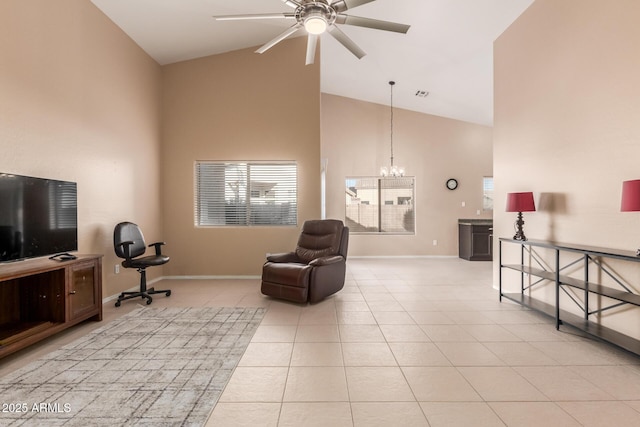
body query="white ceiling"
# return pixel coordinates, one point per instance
(447, 51)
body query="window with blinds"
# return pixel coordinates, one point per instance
(487, 193)
(246, 193)
(380, 205)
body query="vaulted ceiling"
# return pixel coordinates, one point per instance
(448, 51)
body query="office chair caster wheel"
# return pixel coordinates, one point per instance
(117, 303)
(149, 300)
(168, 293)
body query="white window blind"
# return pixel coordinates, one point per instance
(380, 205)
(246, 193)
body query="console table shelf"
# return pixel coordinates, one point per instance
(548, 275)
(553, 272)
(41, 297)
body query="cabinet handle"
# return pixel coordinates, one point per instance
(72, 292)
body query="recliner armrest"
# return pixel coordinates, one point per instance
(157, 245)
(327, 260)
(283, 257)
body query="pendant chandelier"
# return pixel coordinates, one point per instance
(391, 170)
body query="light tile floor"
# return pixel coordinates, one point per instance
(407, 342)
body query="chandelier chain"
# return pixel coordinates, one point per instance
(391, 83)
(391, 170)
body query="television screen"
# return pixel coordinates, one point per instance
(38, 217)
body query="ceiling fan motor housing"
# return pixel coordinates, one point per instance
(312, 11)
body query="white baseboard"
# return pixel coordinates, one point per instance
(158, 279)
(400, 256)
(210, 277)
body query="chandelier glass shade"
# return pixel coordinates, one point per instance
(391, 170)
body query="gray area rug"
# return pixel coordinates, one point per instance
(151, 367)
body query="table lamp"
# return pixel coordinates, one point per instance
(520, 202)
(631, 198)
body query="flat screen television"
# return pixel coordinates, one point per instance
(38, 217)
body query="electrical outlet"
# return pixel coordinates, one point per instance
(478, 212)
(435, 242)
(116, 269)
(464, 204)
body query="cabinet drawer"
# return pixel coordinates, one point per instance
(82, 292)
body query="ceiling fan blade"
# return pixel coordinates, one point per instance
(292, 3)
(342, 5)
(258, 16)
(376, 24)
(346, 41)
(278, 39)
(312, 42)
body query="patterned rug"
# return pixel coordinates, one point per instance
(151, 367)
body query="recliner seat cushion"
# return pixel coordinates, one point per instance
(287, 274)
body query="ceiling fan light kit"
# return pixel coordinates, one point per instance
(315, 25)
(318, 17)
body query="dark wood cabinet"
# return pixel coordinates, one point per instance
(475, 240)
(41, 297)
(83, 294)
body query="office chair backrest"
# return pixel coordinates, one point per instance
(128, 232)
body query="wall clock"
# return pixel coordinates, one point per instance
(452, 183)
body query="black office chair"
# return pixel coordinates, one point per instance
(128, 243)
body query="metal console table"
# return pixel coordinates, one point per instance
(545, 272)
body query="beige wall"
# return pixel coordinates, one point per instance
(237, 106)
(79, 101)
(356, 142)
(567, 109)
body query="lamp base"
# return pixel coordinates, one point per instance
(519, 232)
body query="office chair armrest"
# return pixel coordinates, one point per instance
(125, 249)
(284, 257)
(327, 260)
(158, 245)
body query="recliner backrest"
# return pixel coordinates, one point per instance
(128, 232)
(319, 238)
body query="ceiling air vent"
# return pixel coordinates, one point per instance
(422, 93)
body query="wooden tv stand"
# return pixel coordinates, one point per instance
(41, 297)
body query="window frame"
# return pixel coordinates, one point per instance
(487, 193)
(250, 194)
(382, 204)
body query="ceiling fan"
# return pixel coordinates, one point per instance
(318, 16)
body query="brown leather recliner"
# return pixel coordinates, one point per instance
(315, 270)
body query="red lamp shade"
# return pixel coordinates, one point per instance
(520, 202)
(630, 196)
